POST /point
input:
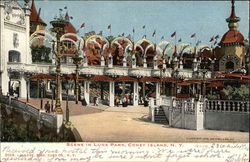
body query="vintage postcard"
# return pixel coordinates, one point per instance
(124, 80)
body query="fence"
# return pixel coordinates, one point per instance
(206, 114)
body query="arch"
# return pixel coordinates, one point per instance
(184, 48)
(14, 56)
(120, 48)
(165, 47)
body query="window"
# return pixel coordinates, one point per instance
(14, 56)
(230, 65)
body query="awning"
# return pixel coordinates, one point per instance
(42, 77)
(215, 84)
(149, 79)
(125, 79)
(183, 84)
(100, 78)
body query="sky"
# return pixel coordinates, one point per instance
(205, 18)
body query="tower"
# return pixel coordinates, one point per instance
(232, 46)
(36, 23)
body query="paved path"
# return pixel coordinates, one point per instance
(131, 124)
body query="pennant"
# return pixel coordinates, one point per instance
(217, 36)
(133, 30)
(65, 7)
(193, 35)
(60, 9)
(144, 37)
(179, 40)
(143, 27)
(122, 34)
(215, 42)
(172, 35)
(83, 25)
(109, 27)
(212, 39)
(77, 31)
(71, 17)
(154, 33)
(162, 37)
(198, 42)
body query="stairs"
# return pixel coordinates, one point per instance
(160, 116)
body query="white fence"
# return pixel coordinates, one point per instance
(206, 114)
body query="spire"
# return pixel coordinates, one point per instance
(34, 16)
(66, 17)
(232, 19)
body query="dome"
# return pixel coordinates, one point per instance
(232, 36)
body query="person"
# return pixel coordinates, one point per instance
(1, 93)
(117, 101)
(95, 101)
(51, 108)
(47, 107)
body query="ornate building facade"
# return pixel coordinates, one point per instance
(139, 62)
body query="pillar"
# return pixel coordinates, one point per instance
(111, 93)
(23, 87)
(86, 91)
(157, 93)
(110, 62)
(102, 61)
(155, 62)
(124, 61)
(136, 96)
(133, 61)
(144, 62)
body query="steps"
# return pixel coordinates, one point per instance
(160, 116)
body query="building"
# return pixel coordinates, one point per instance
(146, 68)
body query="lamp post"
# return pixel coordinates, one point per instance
(58, 28)
(77, 60)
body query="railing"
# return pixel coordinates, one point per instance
(28, 109)
(227, 106)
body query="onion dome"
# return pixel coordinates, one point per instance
(233, 36)
(34, 16)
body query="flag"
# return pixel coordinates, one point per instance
(162, 37)
(60, 9)
(143, 27)
(179, 40)
(65, 7)
(144, 37)
(133, 30)
(172, 35)
(109, 27)
(71, 17)
(154, 33)
(217, 36)
(193, 35)
(83, 25)
(212, 39)
(215, 42)
(122, 34)
(77, 31)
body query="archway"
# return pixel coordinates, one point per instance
(229, 65)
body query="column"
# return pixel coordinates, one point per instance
(86, 91)
(136, 92)
(124, 61)
(102, 61)
(145, 62)
(157, 93)
(23, 87)
(111, 93)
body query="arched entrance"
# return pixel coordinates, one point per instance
(229, 66)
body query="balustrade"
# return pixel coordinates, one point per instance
(227, 106)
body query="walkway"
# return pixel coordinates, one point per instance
(118, 124)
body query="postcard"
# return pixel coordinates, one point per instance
(124, 80)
